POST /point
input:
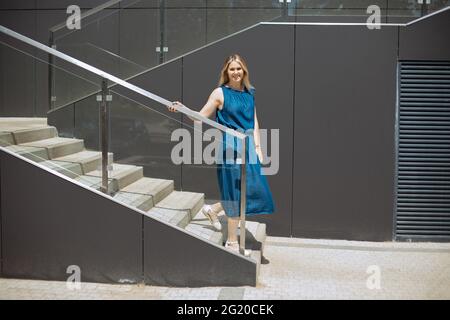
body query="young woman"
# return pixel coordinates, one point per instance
(233, 103)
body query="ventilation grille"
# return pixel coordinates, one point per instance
(423, 189)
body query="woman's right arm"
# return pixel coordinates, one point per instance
(215, 101)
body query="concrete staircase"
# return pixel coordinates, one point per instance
(35, 140)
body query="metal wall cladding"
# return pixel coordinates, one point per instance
(423, 164)
(344, 150)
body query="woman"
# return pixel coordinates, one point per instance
(233, 103)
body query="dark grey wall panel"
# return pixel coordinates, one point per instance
(183, 260)
(426, 39)
(22, 21)
(55, 224)
(142, 136)
(59, 224)
(271, 72)
(344, 132)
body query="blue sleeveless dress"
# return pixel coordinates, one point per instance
(238, 113)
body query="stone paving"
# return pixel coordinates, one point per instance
(297, 269)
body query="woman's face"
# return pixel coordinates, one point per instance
(235, 72)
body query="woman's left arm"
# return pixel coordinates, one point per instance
(257, 139)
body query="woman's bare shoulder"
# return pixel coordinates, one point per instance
(217, 92)
(217, 95)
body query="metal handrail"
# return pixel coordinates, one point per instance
(183, 109)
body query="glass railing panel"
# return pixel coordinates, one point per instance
(227, 17)
(392, 11)
(65, 88)
(86, 52)
(141, 132)
(414, 8)
(146, 33)
(23, 73)
(402, 11)
(334, 10)
(110, 62)
(336, 4)
(103, 28)
(166, 145)
(97, 28)
(186, 30)
(86, 121)
(140, 34)
(436, 5)
(202, 165)
(121, 41)
(17, 81)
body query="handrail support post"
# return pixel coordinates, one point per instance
(104, 99)
(242, 234)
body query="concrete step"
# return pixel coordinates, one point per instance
(6, 139)
(157, 188)
(123, 174)
(89, 160)
(57, 147)
(22, 122)
(181, 200)
(141, 201)
(200, 226)
(96, 183)
(178, 218)
(69, 169)
(34, 134)
(32, 153)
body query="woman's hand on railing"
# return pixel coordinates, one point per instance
(193, 115)
(175, 105)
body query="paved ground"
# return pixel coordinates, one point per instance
(298, 269)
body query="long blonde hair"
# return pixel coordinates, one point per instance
(224, 74)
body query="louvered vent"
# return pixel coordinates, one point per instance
(423, 188)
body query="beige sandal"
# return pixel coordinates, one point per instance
(212, 217)
(234, 246)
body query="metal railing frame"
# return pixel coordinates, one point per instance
(104, 76)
